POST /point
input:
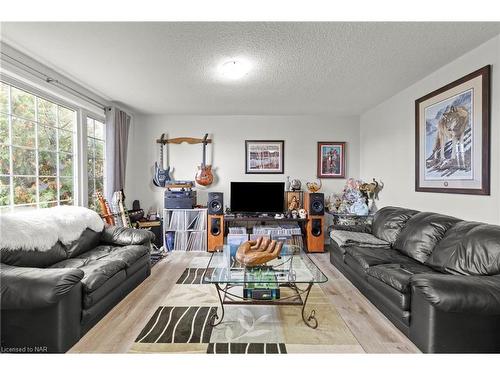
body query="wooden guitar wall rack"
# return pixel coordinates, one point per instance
(177, 141)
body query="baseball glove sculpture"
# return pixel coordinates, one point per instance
(254, 253)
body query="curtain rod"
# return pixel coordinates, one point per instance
(55, 82)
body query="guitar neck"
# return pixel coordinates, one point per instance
(161, 155)
(204, 154)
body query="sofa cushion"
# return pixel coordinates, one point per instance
(398, 276)
(141, 263)
(421, 234)
(367, 257)
(96, 271)
(98, 252)
(468, 248)
(129, 254)
(350, 238)
(33, 258)
(87, 241)
(388, 222)
(393, 299)
(90, 298)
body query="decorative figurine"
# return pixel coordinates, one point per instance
(314, 187)
(295, 184)
(294, 204)
(302, 213)
(295, 214)
(287, 183)
(371, 191)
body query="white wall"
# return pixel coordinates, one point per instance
(227, 155)
(388, 142)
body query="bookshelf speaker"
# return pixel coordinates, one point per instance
(215, 203)
(314, 234)
(314, 203)
(215, 232)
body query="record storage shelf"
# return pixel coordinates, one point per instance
(185, 229)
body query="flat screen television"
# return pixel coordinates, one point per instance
(257, 197)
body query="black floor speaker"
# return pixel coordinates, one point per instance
(215, 203)
(314, 203)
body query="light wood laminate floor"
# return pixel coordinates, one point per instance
(116, 332)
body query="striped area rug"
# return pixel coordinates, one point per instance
(177, 324)
(194, 275)
(181, 324)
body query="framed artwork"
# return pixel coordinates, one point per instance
(266, 157)
(452, 137)
(331, 160)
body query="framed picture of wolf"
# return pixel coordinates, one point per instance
(452, 137)
(331, 160)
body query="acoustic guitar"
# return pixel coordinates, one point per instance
(106, 213)
(204, 175)
(161, 176)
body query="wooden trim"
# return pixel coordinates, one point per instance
(485, 124)
(266, 141)
(318, 160)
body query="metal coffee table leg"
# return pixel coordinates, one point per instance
(310, 320)
(214, 319)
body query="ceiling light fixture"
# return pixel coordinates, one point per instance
(235, 69)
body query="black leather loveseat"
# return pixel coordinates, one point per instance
(50, 299)
(438, 279)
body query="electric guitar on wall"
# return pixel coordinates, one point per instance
(161, 176)
(204, 175)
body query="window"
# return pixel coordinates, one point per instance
(37, 149)
(95, 160)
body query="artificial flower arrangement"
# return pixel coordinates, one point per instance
(353, 200)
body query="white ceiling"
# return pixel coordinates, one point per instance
(299, 68)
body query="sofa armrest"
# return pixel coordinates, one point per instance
(362, 228)
(464, 294)
(32, 288)
(127, 236)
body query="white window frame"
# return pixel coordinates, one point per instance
(90, 115)
(80, 189)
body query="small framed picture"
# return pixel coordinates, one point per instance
(331, 159)
(452, 137)
(267, 157)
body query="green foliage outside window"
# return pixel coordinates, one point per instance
(37, 140)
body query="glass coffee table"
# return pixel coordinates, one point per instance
(286, 280)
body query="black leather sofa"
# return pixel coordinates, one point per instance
(50, 299)
(438, 280)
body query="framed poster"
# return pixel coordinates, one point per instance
(266, 157)
(331, 160)
(452, 137)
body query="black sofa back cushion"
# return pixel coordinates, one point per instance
(86, 242)
(421, 234)
(33, 258)
(41, 259)
(388, 222)
(468, 248)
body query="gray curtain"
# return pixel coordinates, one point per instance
(117, 128)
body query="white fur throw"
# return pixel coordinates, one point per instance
(41, 229)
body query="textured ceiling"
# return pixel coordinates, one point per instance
(299, 68)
